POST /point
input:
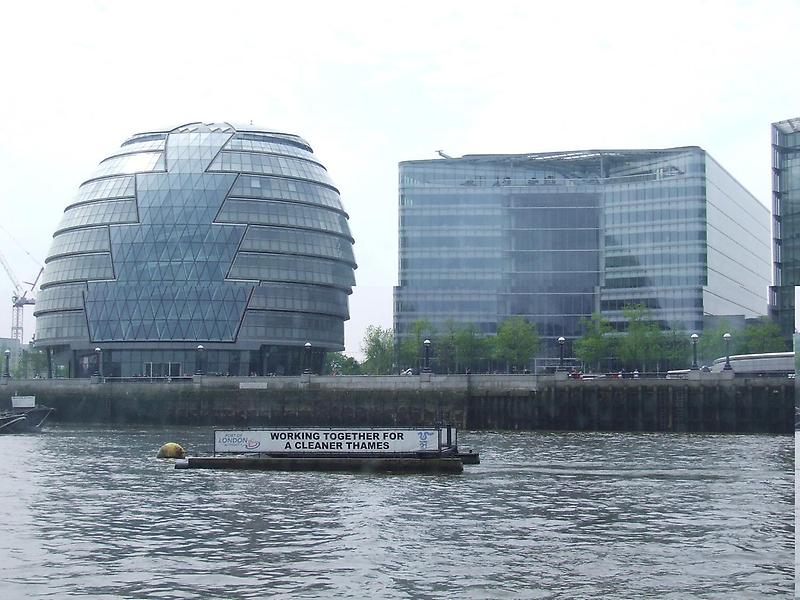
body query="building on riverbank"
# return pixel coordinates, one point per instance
(207, 247)
(553, 237)
(785, 222)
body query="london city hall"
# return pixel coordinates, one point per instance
(207, 248)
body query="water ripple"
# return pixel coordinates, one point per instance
(91, 513)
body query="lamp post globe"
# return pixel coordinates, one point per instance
(307, 357)
(427, 345)
(694, 337)
(561, 342)
(727, 338)
(97, 368)
(199, 360)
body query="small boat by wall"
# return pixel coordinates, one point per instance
(24, 416)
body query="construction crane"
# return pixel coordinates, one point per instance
(19, 298)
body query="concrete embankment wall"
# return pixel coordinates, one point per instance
(709, 404)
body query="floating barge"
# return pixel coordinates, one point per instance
(342, 463)
(384, 450)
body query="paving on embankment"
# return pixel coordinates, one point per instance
(476, 402)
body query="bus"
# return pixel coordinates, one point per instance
(769, 364)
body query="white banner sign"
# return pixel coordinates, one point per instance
(23, 401)
(327, 440)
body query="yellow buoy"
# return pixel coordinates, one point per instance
(171, 450)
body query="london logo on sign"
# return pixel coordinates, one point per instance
(423, 439)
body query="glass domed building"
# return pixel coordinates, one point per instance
(211, 248)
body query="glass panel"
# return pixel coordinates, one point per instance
(269, 164)
(276, 327)
(143, 145)
(144, 137)
(268, 212)
(112, 187)
(191, 311)
(80, 241)
(299, 298)
(77, 268)
(129, 163)
(297, 241)
(59, 326)
(270, 147)
(280, 138)
(276, 188)
(60, 297)
(98, 213)
(276, 267)
(192, 152)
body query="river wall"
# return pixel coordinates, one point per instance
(708, 403)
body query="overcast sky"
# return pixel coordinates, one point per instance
(372, 84)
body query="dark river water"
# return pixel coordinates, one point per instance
(90, 512)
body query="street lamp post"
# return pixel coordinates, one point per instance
(561, 341)
(7, 372)
(427, 364)
(199, 360)
(307, 354)
(98, 365)
(694, 338)
(727, 338)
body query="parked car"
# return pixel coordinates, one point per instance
(593, 376)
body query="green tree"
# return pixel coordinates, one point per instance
(516, 342)
(409, 351)
(378, 349)
(639, 347)
(444, 348)
(762, 336)
(470, 347)
(20, 369)
(674, 350)
(338, 363)
(30, 364)
(596, 344)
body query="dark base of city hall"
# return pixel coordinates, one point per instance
(176, 361)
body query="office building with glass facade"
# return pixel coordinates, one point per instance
(785, 222)
(553, 237)
(204, 248)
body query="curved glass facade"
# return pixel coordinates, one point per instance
(553, 237)
(230, 238)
